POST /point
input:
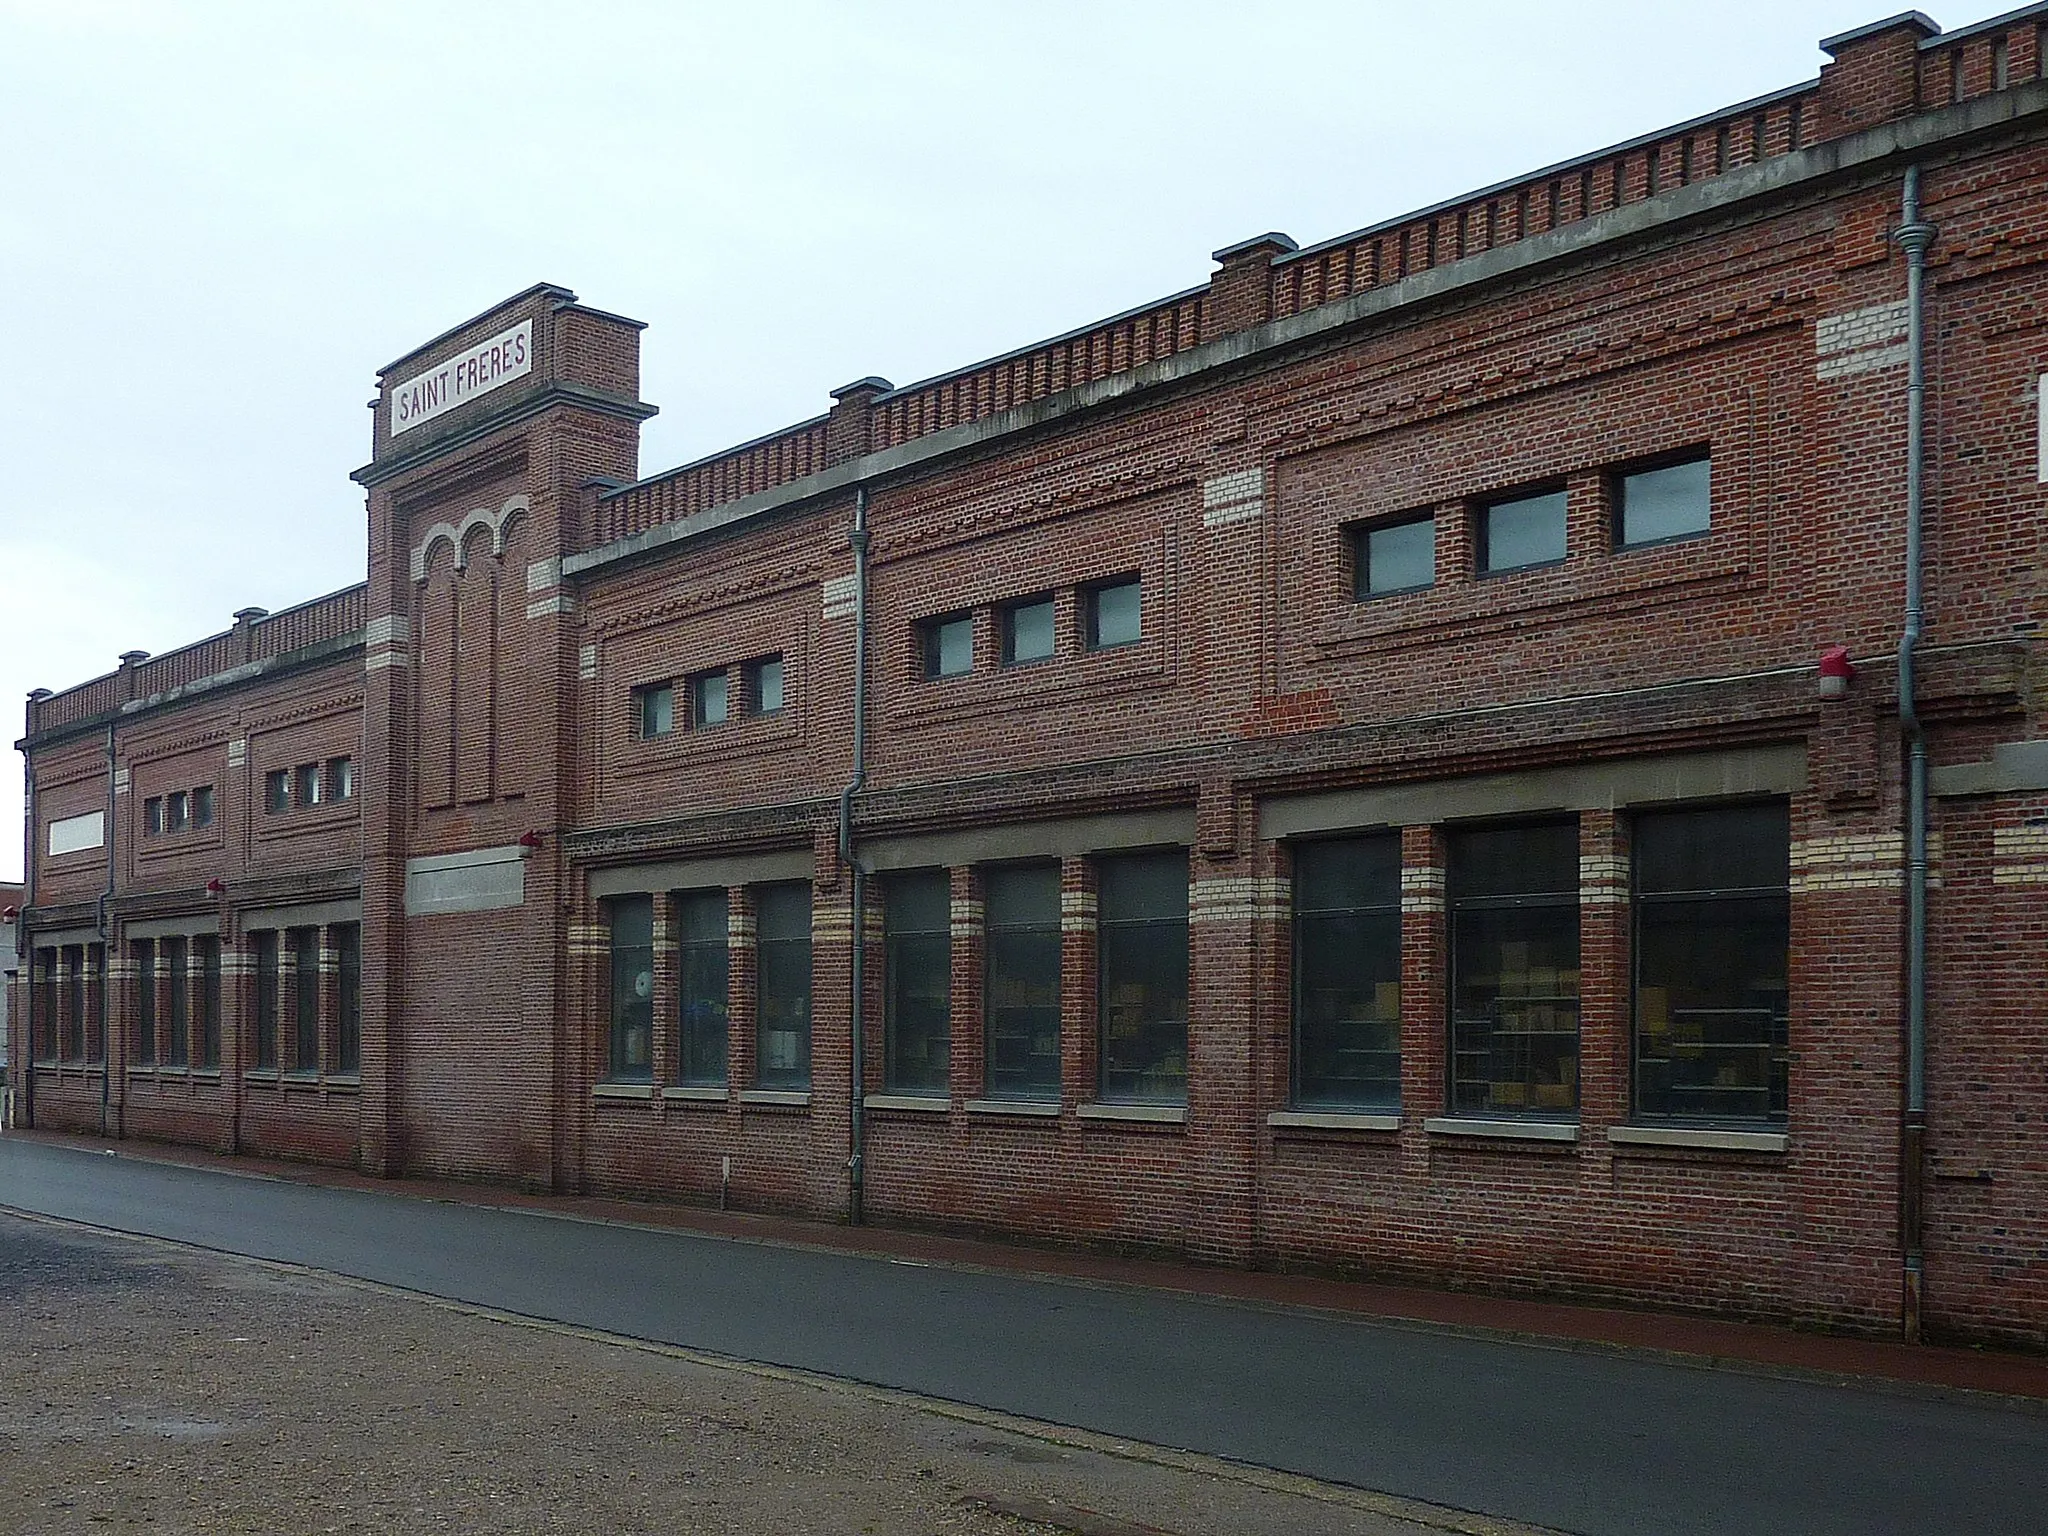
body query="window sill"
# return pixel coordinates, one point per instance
(696, 1094)
(769, 1098)
(922, 1103)
(1332, 1120)
(1502, 1130)
(1698, 1139)
(1144, 1114)
(1029, 1109)
(622, 1090)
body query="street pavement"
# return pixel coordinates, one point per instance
(1605, 1443)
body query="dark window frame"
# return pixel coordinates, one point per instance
(348, 999)
(1120, 948)
(1304, 917)
(1482, 527)
(1617, 497)
(153, 816)
(1091, 612)
(209, 999)
(697, 1065)
(277, 791)
(773, 953)
(702, 693)
(1008, 625)
(178, 968)
(906, 951)
(202, 807)
(267, 943)
(931, 644)
(752, 675)
(306, 1043)
(999, 937)
(1360, 537)
(629, 1033)
(144, 951)
(644, 697)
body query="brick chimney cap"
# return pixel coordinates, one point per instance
(130, 658)
(1271, 241)
(37, 695)
(250, 615)
(1919, 21)
(871, 385)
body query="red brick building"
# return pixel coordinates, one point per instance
(1411, 758)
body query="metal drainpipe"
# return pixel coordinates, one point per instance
(25, 1069)
(1914, 237)
(857, 538)
(107, 957)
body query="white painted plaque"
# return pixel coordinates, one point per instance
(459, 380)
(75, 834)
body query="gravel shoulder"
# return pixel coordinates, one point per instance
(146, 1384)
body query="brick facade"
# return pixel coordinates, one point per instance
(1722, 293)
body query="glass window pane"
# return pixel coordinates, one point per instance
(707, 691)
(1725, 848)
(1116, 614)
(632, 1024)
(306, 1055)
(766, 692)
(1022, 896)
(175, 962)
(276, 790)
(1666, 503)
(1529, 531)
(153, 816)
(145, 999)
(919, 982)
(657, 710)
(308, 786)
(1398, 558)
(783, 960)
(1142, 961)
(1514, 924)
(1021, 981)
(202, 806)
(1347, 972)
(1028, 631)
(1347, 873)
(348, 942)
(209, 1002)
(949, 647)
(704, 973)
(266, 998)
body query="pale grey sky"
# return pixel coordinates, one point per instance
(217, 219)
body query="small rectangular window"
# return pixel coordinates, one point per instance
(1116, 614)
(631, 1054)
(341, 777)
(277, 790)
(949, 646)
(1394, 557)
(655, 708)
(1528, 531)
(1713, 936)
(918, 976)
(1021, 981)
(704, 972)
(1027, 631)
(707, 699)
(1673, 501)
(764, 686)
(307, 788)
(1142, 977)
(202, 806)
(782, 958)
(177, 812)
(153, 816)
(1347, 972)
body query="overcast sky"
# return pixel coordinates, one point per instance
(218, 219)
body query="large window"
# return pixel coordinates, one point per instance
(1712, 933)
(43, 1005)
(1021, 981)
(783, 987)
(306, 1000)
(1674, 501)
(1530, 530)
(1347, 973)
(630, 1058)
(348, 1026)
(266, 999)
(176, 961)
(702, 968)
(1514, 899)
(1142, 966)
(209, 1001)
(918, 968)
(145, 1002)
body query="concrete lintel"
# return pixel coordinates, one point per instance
(2014, 767)
(703, 874)
(1063, 837)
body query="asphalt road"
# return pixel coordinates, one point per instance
(1585, 1442)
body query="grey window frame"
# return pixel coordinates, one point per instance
(903, 949)
(626, 919)
(1091, 611)
(692, 954)
(794, 950)
(267, 943)
(306, 1043)
(753, 674)
(644, 698)
(277, 791)
(1112, 934)
(348, 998)
(1361, 535)
(1306, 918)
(702, 691)
(202, 807)
(145, 1002)
(1617, 491)
(1011, 610)
(1482, 528)
(995, 941)
(178, 966)
(931, 644)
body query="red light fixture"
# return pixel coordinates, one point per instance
(529, 839)
(1836, 670)
(216, 887)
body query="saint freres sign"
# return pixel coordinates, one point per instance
(461, 378)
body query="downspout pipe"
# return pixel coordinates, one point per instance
(857, 539)
(1914, 236)
(107, 958)
(22, 1073)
